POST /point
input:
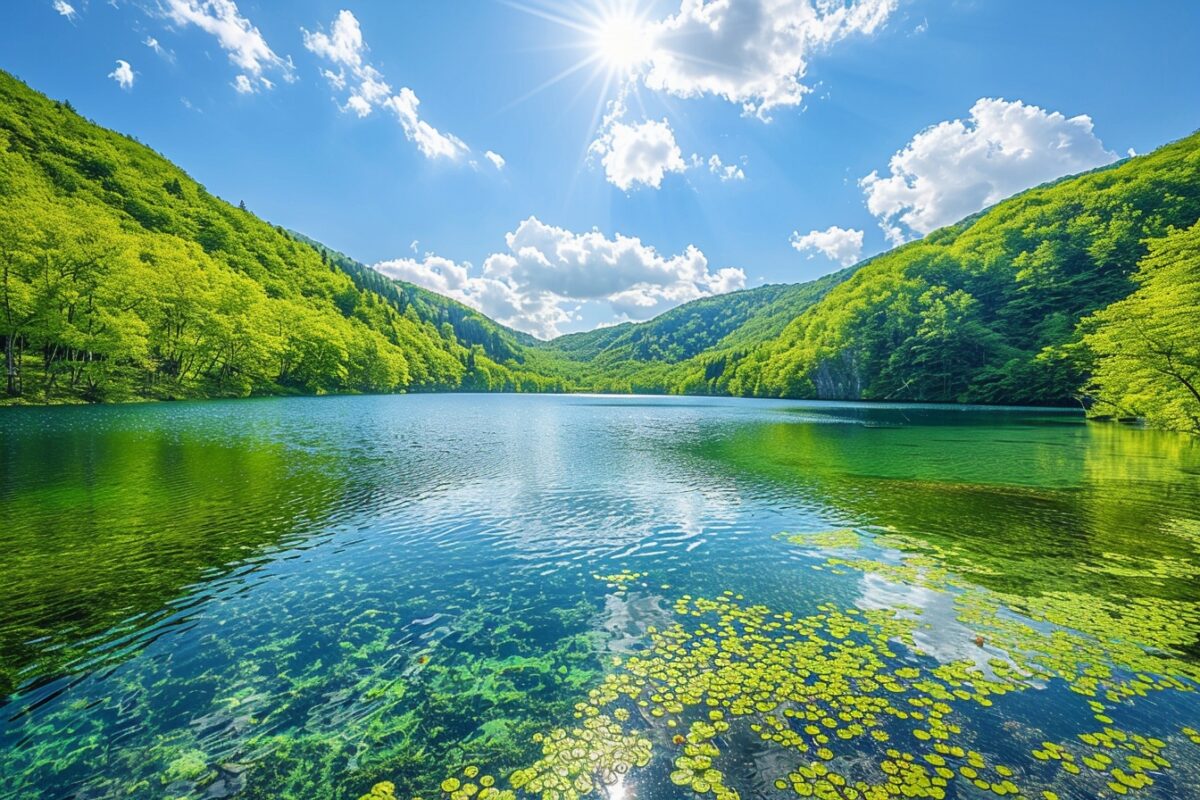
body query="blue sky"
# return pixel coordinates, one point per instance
(373, 126)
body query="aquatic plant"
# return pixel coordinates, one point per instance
(837, 539)
(620, 581)
(852, 697)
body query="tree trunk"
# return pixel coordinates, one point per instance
(10, 366)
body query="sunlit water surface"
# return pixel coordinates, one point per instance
(306, 597)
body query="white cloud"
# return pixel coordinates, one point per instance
(345, 48)
(123, 74)
(429, 140)
(343, 44)
(537, 313)
(752, 52)
(497, 160)
(642, 153)
(66, 9)
(358, 105)
(956, 168)
(247, 48)
(836, 244)
(157, 47)
(547, 272)
(336, 79)
(243, 85)
(726, 172)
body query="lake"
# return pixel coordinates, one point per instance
(486, 597)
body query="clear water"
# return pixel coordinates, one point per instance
(305, 597)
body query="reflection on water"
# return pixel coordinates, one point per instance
(1028, 503)
(303, 598)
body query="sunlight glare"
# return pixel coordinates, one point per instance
(618, 790)
(623, 41)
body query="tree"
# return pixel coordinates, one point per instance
(938, 361)
(16, 291)
(1146, 347)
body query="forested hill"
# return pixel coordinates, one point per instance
(469, 326)
(988, 310)
(749, 316)
(681, 350)
(1023, 303)
(122, 278)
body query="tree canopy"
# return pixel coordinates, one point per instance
(1145, 349)
(122, 278)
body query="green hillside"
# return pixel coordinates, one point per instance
(470, 327)
(1143, 352)
(736, 319)
(674, 353)
(122, 278)
(1008, 306)
(984, 311)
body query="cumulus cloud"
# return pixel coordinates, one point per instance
(123, 74)
(958, 167)
(752, 52)
(836, 244)
(531, 311)
(343, 44)
(546, 272)
(641, 153)
(496, 159)
(244, 43)
(344, 47)
(65, 9)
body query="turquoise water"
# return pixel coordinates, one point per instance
(305, 597)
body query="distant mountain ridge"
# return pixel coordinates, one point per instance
(703, 324)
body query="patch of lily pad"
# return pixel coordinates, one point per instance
(836, 539)
(620, 581)
(848, 697)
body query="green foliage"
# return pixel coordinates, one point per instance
(986, 311)
(468, 326)
(121, 279)
(684, 350)
(677, 334)
(1147, 346)
(964, 314)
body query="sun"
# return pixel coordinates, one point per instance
(616, 42)
(622, 41)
